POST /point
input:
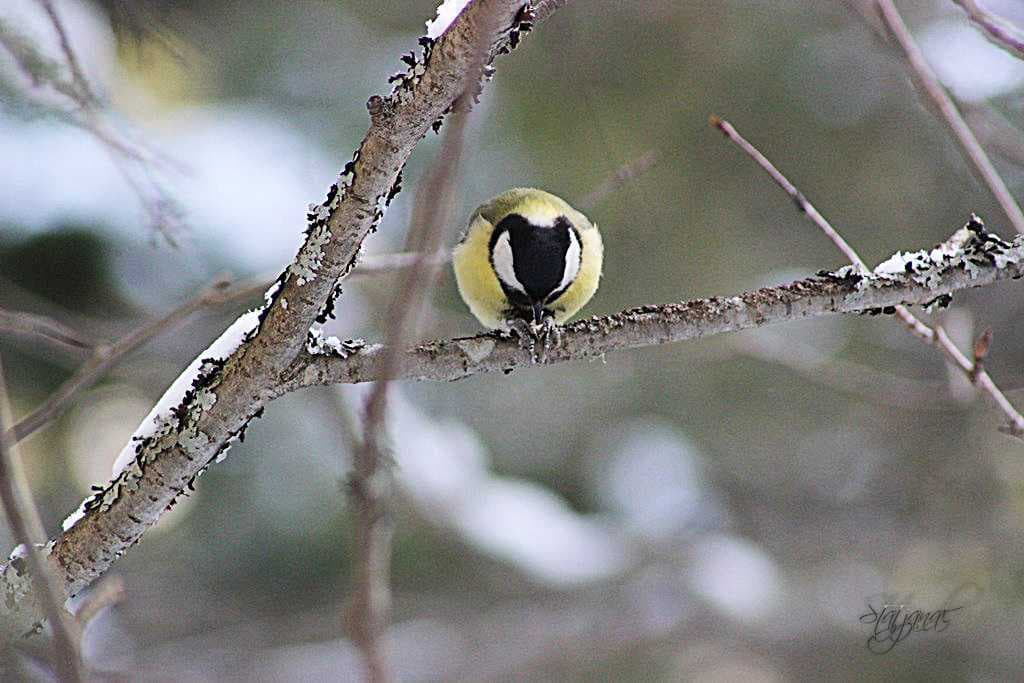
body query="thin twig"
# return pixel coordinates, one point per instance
(846, 375)
(916, 327)
(23, 518)
(380, 264)
(107, 592)
(981, 347)
(993, 128)
(107, 356)
(131, 158)
(43, 328)
(998, 30)
(86, 96)
(621, 176)
(235, 392)
(163, 212)
(936, 336)
(804, 206)
(371, 476)
(931, 87)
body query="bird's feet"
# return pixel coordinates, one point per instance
(551, 333)
(527, 335)
(537, 339)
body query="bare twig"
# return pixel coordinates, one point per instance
(85, 94)
(998, 30)
(165, 215)
(45, 329)
(934, 91)
(997, 132)
(919, 329)
(107, 592)
(131, 158)
(236, 388)
(981, 347)
(107, 356)
(846, 375)
(380, 264)
(624, 174)
(23, 518)
(371, 478)
(804, 206)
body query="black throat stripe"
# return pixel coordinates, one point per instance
(538, 256)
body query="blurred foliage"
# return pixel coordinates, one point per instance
(69, 266)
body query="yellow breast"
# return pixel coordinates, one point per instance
(477, 282)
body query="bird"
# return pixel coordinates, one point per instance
(526, 263)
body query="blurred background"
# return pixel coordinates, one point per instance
(708, 511)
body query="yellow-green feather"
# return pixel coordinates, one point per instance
(478, 284)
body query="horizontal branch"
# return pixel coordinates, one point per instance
(924, 277)
(230, 384)
(928, 335)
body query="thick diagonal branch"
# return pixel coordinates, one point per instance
(229, 391)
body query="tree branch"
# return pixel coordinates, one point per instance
(78, 78)
(932, 88)
(23, 518)
(845, 291)
(243, 370)
(622, 175)
(974, 230)
(355, 204)
(371, 481)
(45, 329)
(107, 356)
(999, 31)
(431, 213)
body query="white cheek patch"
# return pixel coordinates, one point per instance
(501, 258)
(572, 261)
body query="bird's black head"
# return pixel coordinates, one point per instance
(534, 263)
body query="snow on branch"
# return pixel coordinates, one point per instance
(972, 257)
(218, 397)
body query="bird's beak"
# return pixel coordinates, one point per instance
(538, 312)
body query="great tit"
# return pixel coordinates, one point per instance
(527, 261)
